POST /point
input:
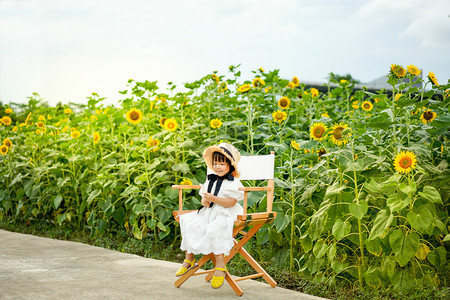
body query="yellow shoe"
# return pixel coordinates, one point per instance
(182, 270)
(217, 281)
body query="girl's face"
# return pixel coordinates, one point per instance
(221, 167)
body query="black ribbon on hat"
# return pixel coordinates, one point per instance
(213, 178)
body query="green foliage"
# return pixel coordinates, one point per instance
(348, 209)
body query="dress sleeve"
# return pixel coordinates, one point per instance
(203, 189)
(232, 190)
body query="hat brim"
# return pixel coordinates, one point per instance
(208, 153)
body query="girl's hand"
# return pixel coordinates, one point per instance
(209, 197)
(205, 203)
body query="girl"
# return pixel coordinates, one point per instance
(210, 229)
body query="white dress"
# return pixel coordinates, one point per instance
(211, 229)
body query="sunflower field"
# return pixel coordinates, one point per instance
(362, 178)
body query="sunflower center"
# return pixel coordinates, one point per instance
(366, 105)
(428, 115)
(405, 162)
(171, 125)
(319, 132)
(134, 115)
(283, 102)
(279, 116)
(337, 133)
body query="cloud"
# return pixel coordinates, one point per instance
(427, 21)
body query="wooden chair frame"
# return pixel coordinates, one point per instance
(253, 221)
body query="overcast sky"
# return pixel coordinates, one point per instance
(67, 49)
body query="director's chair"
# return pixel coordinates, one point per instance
(258, 167)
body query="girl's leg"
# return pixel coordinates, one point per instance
(219, 264)
(189, 257)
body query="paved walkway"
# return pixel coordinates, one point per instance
(33, 267)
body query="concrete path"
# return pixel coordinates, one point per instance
(41, 268)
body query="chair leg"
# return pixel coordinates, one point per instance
(257, 267)
(233, 284)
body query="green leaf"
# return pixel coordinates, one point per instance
(92, 195)
(397, 202)
(403, 279)
(336, 188)
(374, 246)
(432, 194)
(404, 246)
(281, 222)
(408, 189)
(388, 266)
(183, 167)
(421, 219)
(119, 216)
(306, 243)
(437, 257)
(381, 223)
(341, 229)
(373, 187)
(446, 238)
(358, 210)
(161, 226)
(15, 180)
(57, 201)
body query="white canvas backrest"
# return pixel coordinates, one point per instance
(255, 167)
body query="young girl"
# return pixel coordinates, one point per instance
(210, 229)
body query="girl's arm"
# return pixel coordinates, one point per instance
(225, 202)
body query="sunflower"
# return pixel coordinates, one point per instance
(405, 161)
(223, 86)
(215, 78)
(291, 85)
(3, 149)
(40, 124)
(7, 142)
(343, 82)
(367, 106)
(257, 82)
(8, 110)
(279, 116)
(267, 89)
(325, 114)
(15, 128)
(65, 128)
(355, 105)
(162, 121)
(186, 181)
(339, 135)
(413, 70)
(67, 111)
(41, 118)
(284, 102)
(314, 92)
(170, 125)
(262, 70)
(6, 120)
(432, 78)
(134, 116)
(96, 137)
(317, 131)
(295, 81)
(398, 71)
(153, 144)
(75, 134)
(295, 145)
(244, 88)
(215, 123)
(38, 131)
(428, 116)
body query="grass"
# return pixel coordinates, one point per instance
(124, 241)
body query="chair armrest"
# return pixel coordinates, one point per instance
(185, 187)
(255, 188)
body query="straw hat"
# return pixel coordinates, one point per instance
(226, 149)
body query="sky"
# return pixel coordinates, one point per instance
(67, 49)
